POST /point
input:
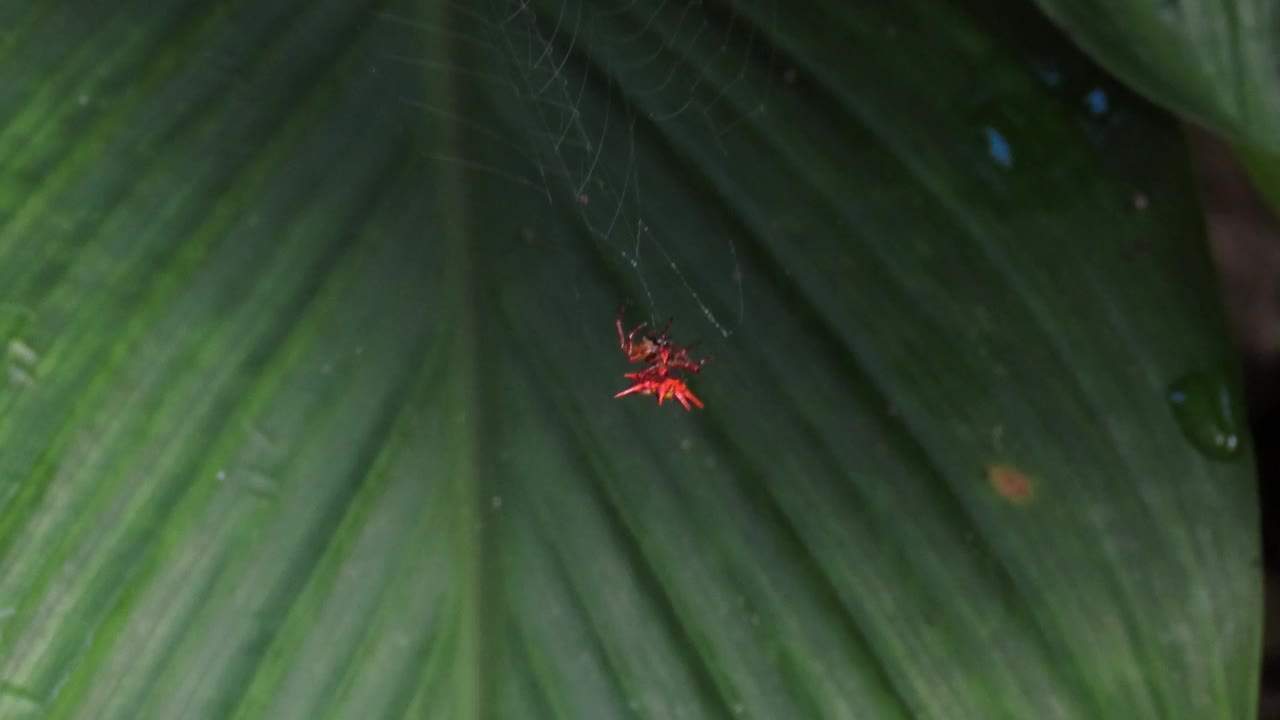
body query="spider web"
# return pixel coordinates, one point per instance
(593, 76)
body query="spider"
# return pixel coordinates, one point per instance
(663, 359)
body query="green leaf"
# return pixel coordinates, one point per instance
(1217, 63)
(309, 311)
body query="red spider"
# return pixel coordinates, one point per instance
(664, 359)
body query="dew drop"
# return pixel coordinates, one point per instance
(1208, 413)
(1096, 101)
(999, 148)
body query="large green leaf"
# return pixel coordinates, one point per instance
(309, 319)
(1217, 62)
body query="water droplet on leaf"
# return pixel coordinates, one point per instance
(1096, 101)
(1208, 413)
(999, 148)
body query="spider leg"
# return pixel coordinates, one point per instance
(628, 344)
(682, 362)
(647, 375)
(684, 352)
(626, 341)
(639, 387)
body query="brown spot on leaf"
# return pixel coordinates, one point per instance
(1010, 483)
